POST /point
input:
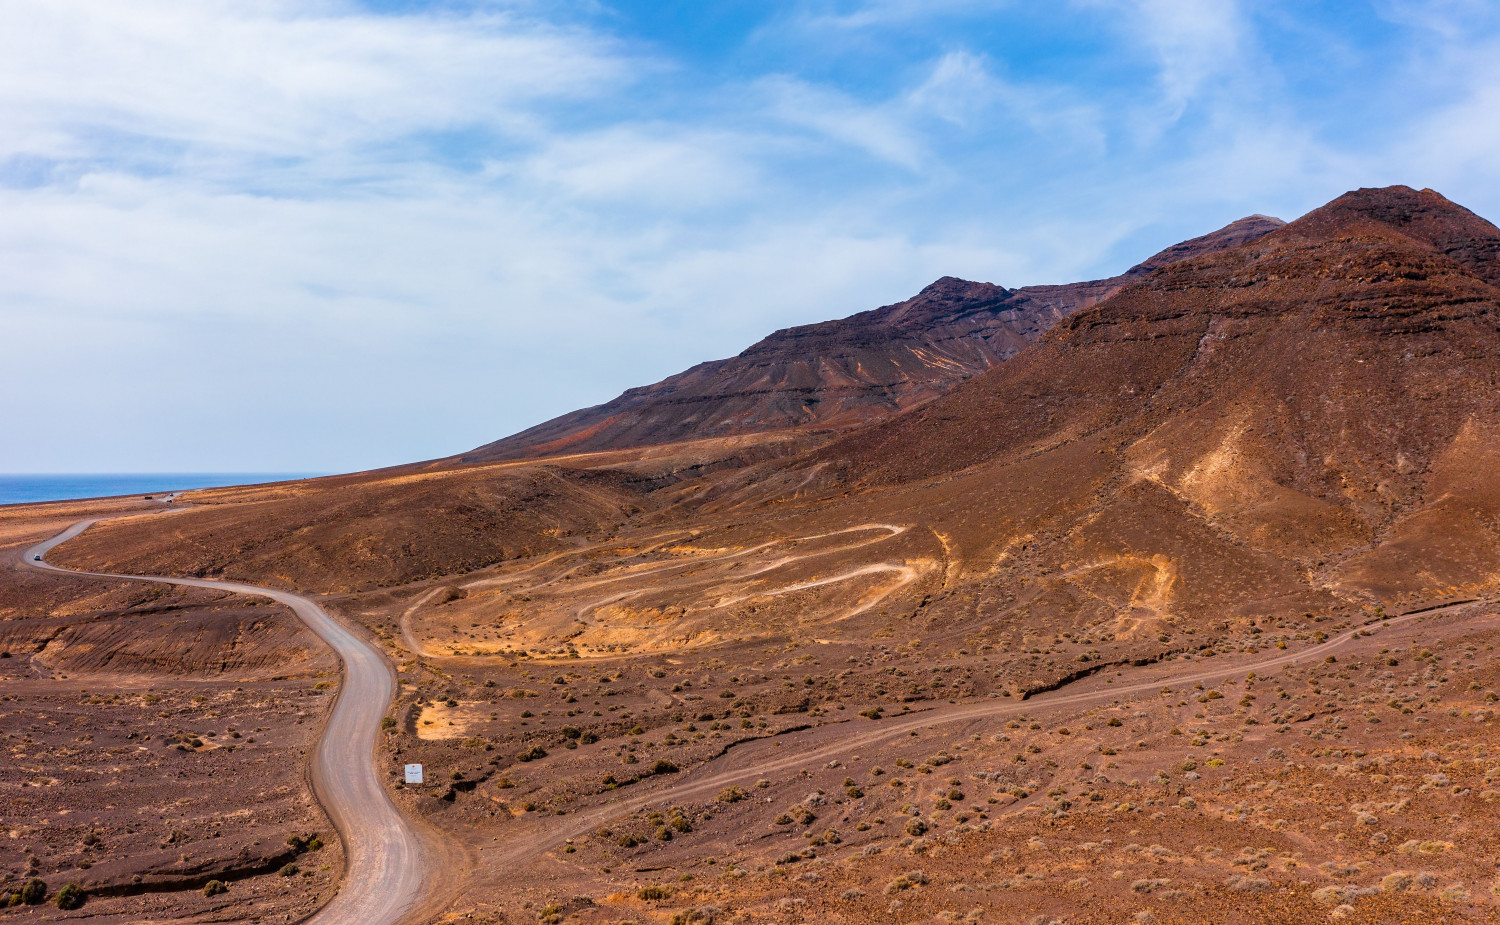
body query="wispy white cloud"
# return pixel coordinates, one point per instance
(286, 80)
(1454, 20)
(963, 89)
(1193, 48)
(959, 89)
(1194, 42)
(821, 16)
(1451, 143)
(382, 237)
(663, 166)
(878, 129)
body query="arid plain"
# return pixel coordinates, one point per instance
(1165, 598)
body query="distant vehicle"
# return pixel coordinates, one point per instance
(148, 497)
(37, 558)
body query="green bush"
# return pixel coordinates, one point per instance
(313, 842)
(34, 892)
(70, 897)
(290, 870)
(663, 766)
(215, 887)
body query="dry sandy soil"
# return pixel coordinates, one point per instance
(155, 741)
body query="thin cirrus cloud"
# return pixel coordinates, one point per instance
(242, 235)
(882, 130)
(652, 164)
(1193, 43)
(965, 89)
(278, 79)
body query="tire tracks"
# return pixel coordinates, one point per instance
(742, 764)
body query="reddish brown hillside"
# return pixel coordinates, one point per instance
(1423, 215)
(363, 531)
(1121, 590)
(1325, 392)
(848, 372)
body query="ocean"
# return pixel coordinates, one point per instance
(20, 489)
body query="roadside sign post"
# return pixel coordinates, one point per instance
(414, 774)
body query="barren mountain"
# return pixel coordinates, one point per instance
(844, 373)
(1181, 613)
(1322, 395)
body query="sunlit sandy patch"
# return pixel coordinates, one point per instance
(702, 594)
(439, 721)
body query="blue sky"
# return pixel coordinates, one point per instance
(273, 235)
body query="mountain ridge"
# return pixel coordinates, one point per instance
(1199, 540)
(1322, 394)
(836, 374)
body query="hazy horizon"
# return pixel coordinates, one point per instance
(35, 487)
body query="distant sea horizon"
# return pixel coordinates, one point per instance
(23, 488)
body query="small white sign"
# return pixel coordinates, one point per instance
(414, 774)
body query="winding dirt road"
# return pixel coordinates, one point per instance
(387, 871)
(653, 574)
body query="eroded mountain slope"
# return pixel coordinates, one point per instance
(1323, 395)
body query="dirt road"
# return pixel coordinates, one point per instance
(769, 756)
(388, 872)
